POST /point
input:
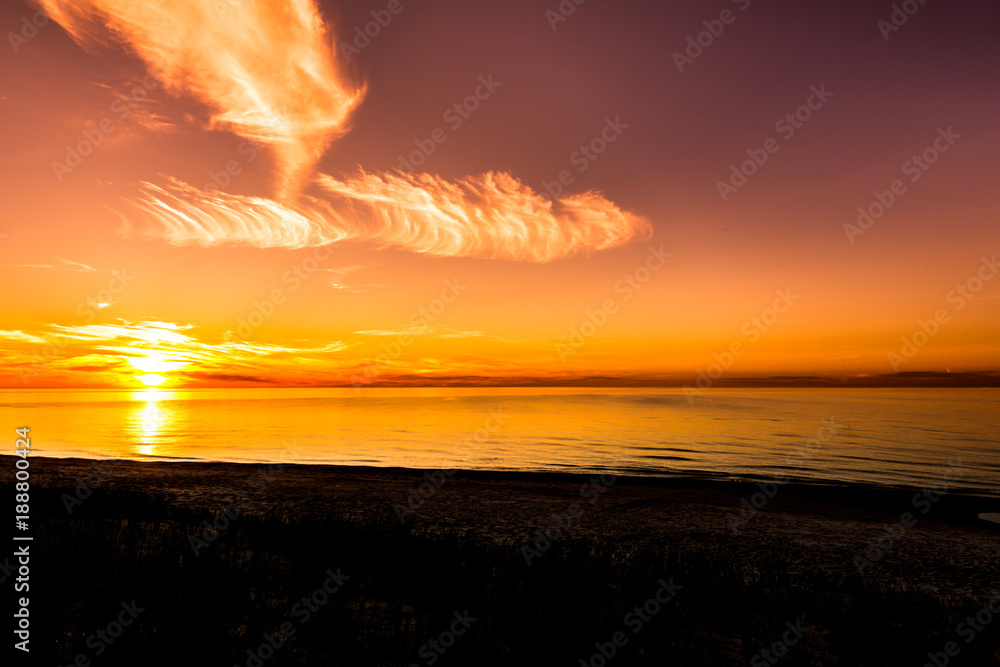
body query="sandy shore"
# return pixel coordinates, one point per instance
(948, 550)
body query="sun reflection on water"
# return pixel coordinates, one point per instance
(148, 421)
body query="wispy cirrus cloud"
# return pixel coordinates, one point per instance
(268, 71)
(490, 216)
(344, 270)
(186, 215)
(354, 288)
(118, 353)
(61, 265)
(20, 336)
(438, 332)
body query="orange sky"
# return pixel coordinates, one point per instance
(262, 197)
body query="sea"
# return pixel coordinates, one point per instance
(881, 437)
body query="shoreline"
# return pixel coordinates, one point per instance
(654, 477)
(816, 526)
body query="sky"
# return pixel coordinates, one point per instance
(237, 193)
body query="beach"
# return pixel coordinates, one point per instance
(565, 333)
(823, 554)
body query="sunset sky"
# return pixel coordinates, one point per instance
(227, 192)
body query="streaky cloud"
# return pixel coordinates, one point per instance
(267, 69)
(186, 215)
(490, 216)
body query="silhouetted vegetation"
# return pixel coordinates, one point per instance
(405, 585)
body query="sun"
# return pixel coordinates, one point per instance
(153, 362)
(151, 379)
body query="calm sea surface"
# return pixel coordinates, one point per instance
(876, 436)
